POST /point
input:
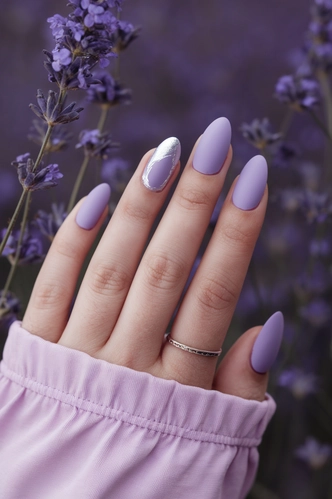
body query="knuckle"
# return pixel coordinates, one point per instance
(136, 212)
(163, 272)
(237, 235)
(65, 246)
(108, 279)
(193, 199)
(213, 294)
(48, 295)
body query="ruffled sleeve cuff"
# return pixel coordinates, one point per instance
(86, 411)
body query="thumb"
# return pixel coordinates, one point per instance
(244, 369)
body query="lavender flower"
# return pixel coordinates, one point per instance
(83, 39)
(322, 11)
(258, 133)
(317, 312)
(31, 248)
(290, 199)
(108, 92)
(76, 75)
(49, 223)
(320, 247)
(10, 307)
(321, 57)
(314, 453)
(54, 112)
(42, 178)
(299, 93)
(317, 207)
(116, 172)
(57, 142)
(283, 155)
(96, 144)
(300, 383)
(125, 35)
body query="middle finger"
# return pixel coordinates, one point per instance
(167, 262)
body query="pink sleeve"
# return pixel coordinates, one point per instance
(72, 426)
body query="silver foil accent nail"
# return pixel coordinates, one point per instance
(169, 148)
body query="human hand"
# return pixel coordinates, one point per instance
(126, 300)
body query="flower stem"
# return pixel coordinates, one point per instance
(78, 182)
(326, 88)
(13, 221)
(18, 249)
(103, 118)
(320, 124)
(287, 121)
(80, 176)
(11, 225)
(43, 147)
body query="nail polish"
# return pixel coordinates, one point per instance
(250, 186)
(267, 343)
(161, 166)
(212, 149)
(93, 207)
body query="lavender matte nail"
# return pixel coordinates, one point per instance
(267, 344)
(93, 206)
(250, 186)
(213, 147)
(161, 166)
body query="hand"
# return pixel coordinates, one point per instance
(126, 300)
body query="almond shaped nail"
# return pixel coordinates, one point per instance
(250, 186)
(161, 165)
(93, 207)
(267, 344)
(212, 149)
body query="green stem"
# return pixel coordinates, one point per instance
(78, 182)
(81, 173)
(11, 225)
(18, 249)
(103, 118)
(320, 124)
(285, 125)
(13, 221)
(326, 88)
(43, 147)
(324, 81)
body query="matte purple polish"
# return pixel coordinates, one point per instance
(213, 147)
(267, 344)
(250, 186)
(161, 166)
(93, 206)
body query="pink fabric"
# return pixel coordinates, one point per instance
(75, 427)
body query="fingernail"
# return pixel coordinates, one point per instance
(250, 186)
(213, 147)
(161, 166)
(93, 206)
(267, 344)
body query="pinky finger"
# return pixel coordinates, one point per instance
(244, 370)
(48, 309)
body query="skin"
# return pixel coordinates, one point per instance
(126, 300)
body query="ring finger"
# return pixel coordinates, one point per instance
(207, 309)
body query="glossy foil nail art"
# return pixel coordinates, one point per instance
(161, 166)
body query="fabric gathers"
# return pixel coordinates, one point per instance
(76, 427)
